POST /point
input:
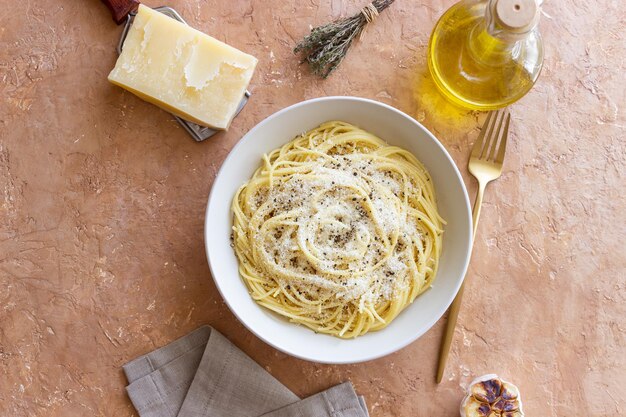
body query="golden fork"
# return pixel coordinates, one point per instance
(485, 165)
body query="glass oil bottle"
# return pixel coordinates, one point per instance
(486, 54)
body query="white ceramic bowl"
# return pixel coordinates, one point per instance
(392, 126)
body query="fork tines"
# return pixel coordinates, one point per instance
(491, 143)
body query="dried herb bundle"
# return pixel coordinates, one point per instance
(326, 46)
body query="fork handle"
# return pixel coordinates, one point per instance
(477, 205)
(453, 314)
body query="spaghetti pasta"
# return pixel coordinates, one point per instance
(337, 230)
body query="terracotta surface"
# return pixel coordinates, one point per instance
(102, 200)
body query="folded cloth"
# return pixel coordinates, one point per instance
(203, 374)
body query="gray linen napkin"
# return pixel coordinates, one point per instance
(204, 375)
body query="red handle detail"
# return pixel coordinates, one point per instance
(121, 8)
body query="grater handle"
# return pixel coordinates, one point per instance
(121, 8)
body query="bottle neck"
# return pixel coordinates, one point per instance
(495, 26)
(489, 40)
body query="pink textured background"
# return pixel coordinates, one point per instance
(102, 199)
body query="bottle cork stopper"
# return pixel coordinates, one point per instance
(517, 15)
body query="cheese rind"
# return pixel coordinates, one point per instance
(182, 70)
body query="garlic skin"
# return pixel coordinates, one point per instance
(490, 396)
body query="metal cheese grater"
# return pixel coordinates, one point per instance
(199, 133)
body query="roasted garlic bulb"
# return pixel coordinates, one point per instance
(489, 396)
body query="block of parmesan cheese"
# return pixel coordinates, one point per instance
(182, 70)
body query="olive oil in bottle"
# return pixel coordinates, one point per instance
(486, 54)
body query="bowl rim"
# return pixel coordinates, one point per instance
(414, 336)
